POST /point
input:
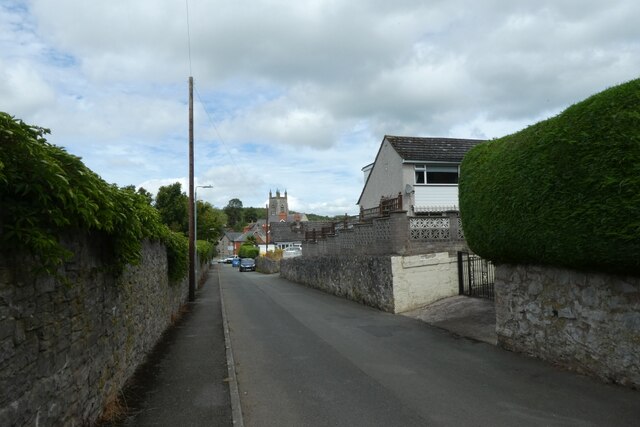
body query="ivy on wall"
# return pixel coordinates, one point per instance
(45, 191)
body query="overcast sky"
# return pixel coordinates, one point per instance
(297, 95)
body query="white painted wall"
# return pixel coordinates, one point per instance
(435, 195)
(419, 280)
(385, 178)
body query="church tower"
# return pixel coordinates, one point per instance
(278, 207)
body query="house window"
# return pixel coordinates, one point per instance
(431, 174)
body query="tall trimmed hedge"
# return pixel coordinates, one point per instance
(563, 192)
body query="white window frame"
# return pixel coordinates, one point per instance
(424, 169)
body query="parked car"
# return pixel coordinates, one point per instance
(292, 251)
(247, 264)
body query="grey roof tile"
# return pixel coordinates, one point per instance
(413, 148)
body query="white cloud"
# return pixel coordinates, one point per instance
(300, 93)
(23, 90)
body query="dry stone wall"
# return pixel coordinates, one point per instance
(587, 322)
(66, 350)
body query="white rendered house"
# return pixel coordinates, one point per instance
(424, 171)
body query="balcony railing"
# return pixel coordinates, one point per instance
(386, 206)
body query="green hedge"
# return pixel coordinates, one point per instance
(563, 192)
(248, 250)
(46, 192)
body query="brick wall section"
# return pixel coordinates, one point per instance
(65, 351)
(365, 279)
(587, 322)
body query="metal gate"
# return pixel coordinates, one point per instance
(475, 276)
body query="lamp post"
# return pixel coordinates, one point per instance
(195, 220)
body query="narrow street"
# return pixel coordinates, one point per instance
(305, 358)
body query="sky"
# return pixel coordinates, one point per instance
(297, 95)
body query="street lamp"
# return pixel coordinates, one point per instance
(195, 220)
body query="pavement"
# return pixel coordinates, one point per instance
(467, 317)
(184, 381)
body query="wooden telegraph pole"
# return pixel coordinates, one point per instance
(192, 243)
(266, 231)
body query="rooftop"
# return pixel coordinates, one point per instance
(412, 148)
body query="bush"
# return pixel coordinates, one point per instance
(247, 250)
(205, 250)
(564, 192)
(275, 254)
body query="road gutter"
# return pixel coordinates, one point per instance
(236, 409)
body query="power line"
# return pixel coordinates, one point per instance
(188, 37)
(217, 132)
(200, 98)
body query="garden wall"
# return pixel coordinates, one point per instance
(587, 322)
(365, 279)
(396, 234)
(66, 350)
(390, 283)
(419, 280)
(267, 265)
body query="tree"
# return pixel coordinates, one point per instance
(211, 221)
(173, 204)
(143, 192)
(234, 214)
(250, 215)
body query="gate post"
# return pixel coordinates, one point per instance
(460, 274)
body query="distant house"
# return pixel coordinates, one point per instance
(228, 244)
(423, 170)
(287, 234)
(257, 230)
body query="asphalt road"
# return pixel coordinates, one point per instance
(305, 358)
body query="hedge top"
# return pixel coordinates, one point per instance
(563, 192)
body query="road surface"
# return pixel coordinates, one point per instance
(306, 358)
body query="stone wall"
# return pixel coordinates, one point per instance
(587, 322)
(390, 283)
(66, 350)
(365, 279)
(267, 265)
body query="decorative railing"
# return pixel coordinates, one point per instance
(314, 235)
(386, 206)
